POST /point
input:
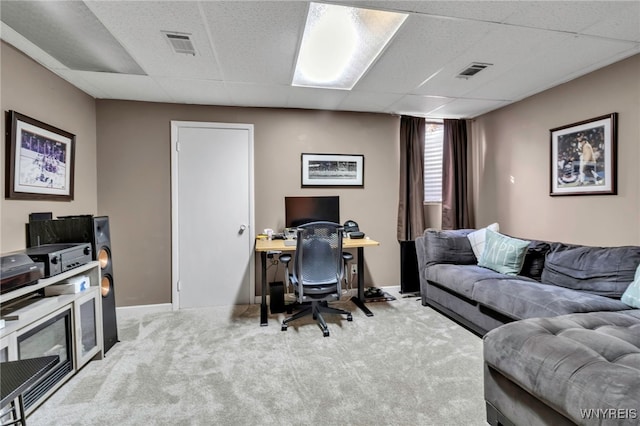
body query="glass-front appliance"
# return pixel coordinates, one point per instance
(53, 336)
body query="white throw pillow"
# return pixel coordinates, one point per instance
(631, 296)
(477, 239)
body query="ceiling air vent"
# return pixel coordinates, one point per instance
(472, 70)
(180, 42)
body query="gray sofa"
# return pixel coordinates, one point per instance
(572, 345)
(571, 369)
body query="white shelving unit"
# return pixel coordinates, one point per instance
(86, 313)
(91, 267)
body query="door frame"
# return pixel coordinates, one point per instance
(175, 272)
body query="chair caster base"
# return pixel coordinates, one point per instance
(283, 328)
(325, 333)
(349, 317)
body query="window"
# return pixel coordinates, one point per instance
(434, 135)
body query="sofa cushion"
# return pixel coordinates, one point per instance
(606, 271)
(631, 296)
(632, 313)
(477, 238)
(573, 363)
(519, 299)
(502, 253)
(461, 278)
(449, 246)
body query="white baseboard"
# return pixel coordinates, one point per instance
(165, 307)
(352, 292)
(124, 311)
(258, 300)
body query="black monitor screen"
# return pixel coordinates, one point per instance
(301, 210)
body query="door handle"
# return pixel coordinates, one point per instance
(242, 229)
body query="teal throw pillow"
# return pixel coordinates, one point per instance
(503, 254)
(631, 296)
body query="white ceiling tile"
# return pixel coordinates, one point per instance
(420, 48)
(621, 22)
(256, 41)
(560, 63)
(246, 52)
(418, 105)
(127, 87)
(490, 11)
(568, 16)
(467, 108)
(138, 26)
(84, 44)
(304, 97)
(204, 92)
(10, 36)
(75, 78)
(504, 47)
(369, 101)
(257, 95)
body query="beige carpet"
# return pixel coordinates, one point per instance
(407, 365)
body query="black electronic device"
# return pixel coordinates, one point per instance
(58, 258)
(40, 216)
(18, 270)
(96, 231)
(352, 230)
(301, 210)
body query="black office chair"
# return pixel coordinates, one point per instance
(347, 257)
(317, 272)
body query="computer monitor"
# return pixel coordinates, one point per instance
(301, 210)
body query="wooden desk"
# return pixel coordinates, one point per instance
(264, 246)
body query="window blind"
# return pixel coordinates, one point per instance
(433, 162)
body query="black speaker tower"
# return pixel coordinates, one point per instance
(409, 274)
(85, 229)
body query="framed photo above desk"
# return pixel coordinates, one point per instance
(333, 170)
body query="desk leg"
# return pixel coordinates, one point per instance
(359, 300)
(263, 293)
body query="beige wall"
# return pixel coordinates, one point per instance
(28, 88)
(514, 142)
(131, 142)
(134, 182)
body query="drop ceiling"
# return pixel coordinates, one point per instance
(245, 51)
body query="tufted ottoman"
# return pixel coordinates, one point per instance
(571, 369)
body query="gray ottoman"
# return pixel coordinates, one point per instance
(571, 369)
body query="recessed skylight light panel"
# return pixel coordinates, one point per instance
(340, 43)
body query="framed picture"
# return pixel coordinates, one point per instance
(583, 157)
(332, 170)
(39, 160)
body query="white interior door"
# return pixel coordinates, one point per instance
(212, 218)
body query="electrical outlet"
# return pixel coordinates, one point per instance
(354, 269)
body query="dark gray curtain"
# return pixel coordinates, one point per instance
(455, 205)
(411, 200)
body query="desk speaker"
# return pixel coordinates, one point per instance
(85, 229)
(276, 297)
